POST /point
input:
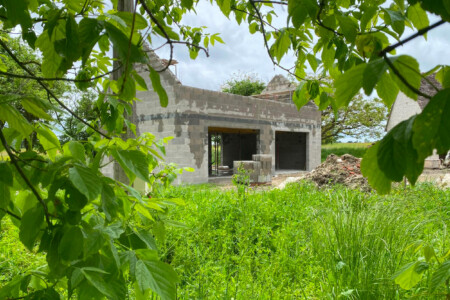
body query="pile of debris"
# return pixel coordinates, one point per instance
(343, 170)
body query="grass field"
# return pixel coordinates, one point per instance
(296, 243)
(355, 149)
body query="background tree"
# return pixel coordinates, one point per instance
(362, 119)
(85, 108)
(244, 84)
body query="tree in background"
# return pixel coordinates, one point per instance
(245, 84)
(362, 119)
(85, 108)
(26, 87)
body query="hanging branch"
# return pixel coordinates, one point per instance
(167, 37)
(261, 21)
(49, 91)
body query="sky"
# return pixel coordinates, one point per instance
(245, 53)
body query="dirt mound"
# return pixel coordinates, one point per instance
(343, 170)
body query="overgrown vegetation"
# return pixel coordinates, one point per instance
(298, 242)
(355, 149)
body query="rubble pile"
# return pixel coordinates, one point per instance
(343, 170)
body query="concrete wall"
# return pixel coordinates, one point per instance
(402, 109)
(191, 111)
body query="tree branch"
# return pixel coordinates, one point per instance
(417, 34)
(403, 79)
(49, 91)
(11, 214)
(56, 78)
(261, 21)
(25, 178)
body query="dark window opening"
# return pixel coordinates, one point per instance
(227, 145)
(290, 150)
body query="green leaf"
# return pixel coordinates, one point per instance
(30, 226)
(312, 61)
(15, 119)
(110, 204)
(6, 175)
(348, 84)
(387, 89)
(5, 195)
(281, 45)
(408, 277)
(93, 242)
(48, 140)
(328, 54)
(36, 107)
(134, 162)
(98, 282)
(89, 31)
(396, 154)
(418, 16)
(443, 76)
(139, 21)
(71, 245)
(130, 54)
(76, 150)
(297, 12)
(373, 73)
(348, 27)
(86, 181)
(72, 41)
(140, 81)
(300, 96)
(408, 68)
(158, 88)
(158, 277)
(441, 275)
(431, 128)
(371, 170)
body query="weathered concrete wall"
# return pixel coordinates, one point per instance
(191, 111)
(402, 109)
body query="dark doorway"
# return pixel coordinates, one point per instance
(290, 150)
(227, 145)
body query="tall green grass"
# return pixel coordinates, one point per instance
(296, 243)
(301, 242)
(355, 149)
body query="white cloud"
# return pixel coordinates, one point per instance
(246, 53)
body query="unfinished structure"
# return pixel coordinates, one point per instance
(212, 129)
(405, 107)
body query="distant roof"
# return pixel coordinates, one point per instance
(278, 83)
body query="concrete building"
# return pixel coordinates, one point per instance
(405, 107)
(266, 124)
